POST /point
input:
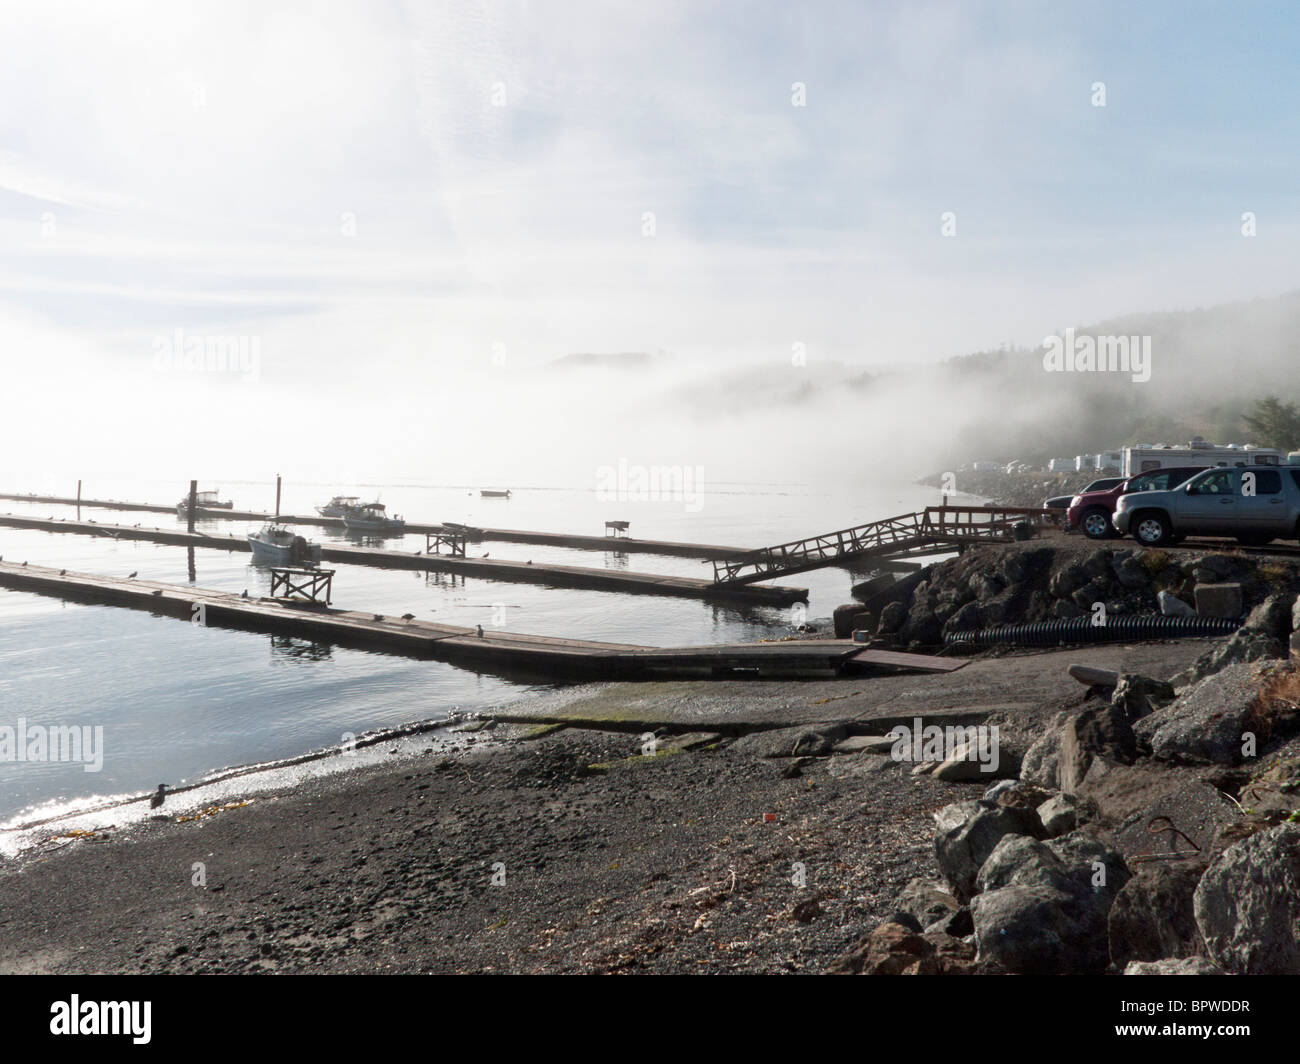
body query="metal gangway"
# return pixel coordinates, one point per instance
(934, 530)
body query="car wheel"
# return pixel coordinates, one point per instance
(1096, 524)
(1151, 528)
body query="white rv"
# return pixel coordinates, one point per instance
(1147, 456)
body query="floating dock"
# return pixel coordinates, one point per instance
(497, 651)
(565, 576)
(613, 544)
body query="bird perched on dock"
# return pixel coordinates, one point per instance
(379, 616)
(159, 796)
(486, 554)
(63, 572)
(408, 616)
(530, 561)
(245, 594)
(480, 631)
(134, 575)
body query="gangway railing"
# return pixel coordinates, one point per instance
(935, 525)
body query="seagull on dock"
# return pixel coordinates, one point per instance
(159, 796)
(408, 616)
(480, 631)
(134, 575)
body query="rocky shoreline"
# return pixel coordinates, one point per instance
(1141, 816)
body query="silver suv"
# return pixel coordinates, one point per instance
(1252, 504)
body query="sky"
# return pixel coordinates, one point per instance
(410, 208)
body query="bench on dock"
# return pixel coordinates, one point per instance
(617, 528)
(306, 585)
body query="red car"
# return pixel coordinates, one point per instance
(1092, 510)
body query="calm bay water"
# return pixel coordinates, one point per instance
(177, 700)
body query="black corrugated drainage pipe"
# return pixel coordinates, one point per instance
(1082, 630)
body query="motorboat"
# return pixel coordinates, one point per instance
(372, 518)
(273, 544)
(338, 506)
(486, 494)
(204, 500)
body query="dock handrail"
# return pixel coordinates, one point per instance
(890, 535)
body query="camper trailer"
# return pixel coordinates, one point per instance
(1146, 456)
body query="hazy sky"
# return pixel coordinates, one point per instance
(407, 205)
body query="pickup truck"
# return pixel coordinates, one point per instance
(1252, 504)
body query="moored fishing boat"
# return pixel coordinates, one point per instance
(274, 545)
(488, 494)
(338, 506)
(372, 518)
(204, 500)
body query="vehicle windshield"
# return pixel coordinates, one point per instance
(1103, 485)
(1159, 480)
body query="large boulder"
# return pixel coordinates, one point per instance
(1218, 600)
(1103, 731)
(1041, 763)
(1153, 917)
(1043, 906)
(922, 626)
(967, 618)
(1139, 803)
(1248, 904)
(892, 617)
(1139, 696)
(967, 832)
(1272, 617)
(1172, 606)
(1059, 814)
(1246, 645)
(1130, 572)
(926, 900)
(1207, 723)
(1067, 580)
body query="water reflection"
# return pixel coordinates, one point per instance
(292, 648)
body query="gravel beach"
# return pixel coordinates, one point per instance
(538, 851)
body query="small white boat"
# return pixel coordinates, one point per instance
(338, 506)
(372, 518)
(204, 500)
(273, 545)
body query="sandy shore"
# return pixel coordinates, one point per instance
(714, 859)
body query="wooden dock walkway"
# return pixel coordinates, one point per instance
(564, 576)
(618, 545)
(497, 651)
